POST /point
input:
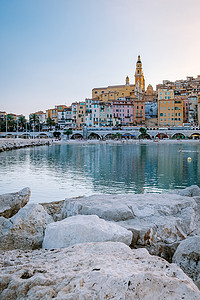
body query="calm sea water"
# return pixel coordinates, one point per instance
(60, 171)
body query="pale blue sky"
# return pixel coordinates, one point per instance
(55, 51)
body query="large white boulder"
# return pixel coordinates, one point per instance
(83, 229)
(187, 257)
(158, 221)
(92, 271)
(11, 203)
(190, 191)
(26, 229)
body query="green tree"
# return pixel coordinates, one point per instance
(56, 134)
(143, 131)
(117, 136)
(21, 122)
(143, 134)
(68, 132)
(34, 120)
(50, 123)
(9, 119)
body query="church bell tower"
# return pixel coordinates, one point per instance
(139, 77)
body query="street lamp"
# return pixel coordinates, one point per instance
(6, 124)
(17, 127)
(26, 129)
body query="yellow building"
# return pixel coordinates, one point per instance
(165, 94)
(150, 94)
(139, 77)
(170, 112)
(52, 113)
(111, 93)
(80, 117)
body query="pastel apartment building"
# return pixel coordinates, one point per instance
(170, 112)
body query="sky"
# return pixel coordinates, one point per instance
(56, 51)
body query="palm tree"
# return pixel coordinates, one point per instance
(34, 119)
(50, 123)
(68, 132)
(10, 122)
(22, 122)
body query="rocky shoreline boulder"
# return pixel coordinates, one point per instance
(92, 271)
(11, 203)
(25, 230)
(187, 257)
(54, 209)
(83, 229)
(13, 144)
(159, 222)
(190, 191)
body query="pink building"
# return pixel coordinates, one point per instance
(123, 111)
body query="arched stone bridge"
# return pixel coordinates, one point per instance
(135, 133)
(102, 133)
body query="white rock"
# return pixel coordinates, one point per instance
(158, 221)
(190, 191)
(187, 257)
(26, 229)
(83, 229)
(5, 225)
(93, 271)
(11, 203)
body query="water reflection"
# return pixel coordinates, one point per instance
(60, 171)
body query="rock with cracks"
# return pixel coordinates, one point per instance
(11, 203)
(26, 229)
(54, 209)
(83, 229)
(187, 257)
(93, 271)
(159, 222)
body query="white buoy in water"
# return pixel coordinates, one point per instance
(189, 159)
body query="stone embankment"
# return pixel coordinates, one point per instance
(11, 144)
(101, 246)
